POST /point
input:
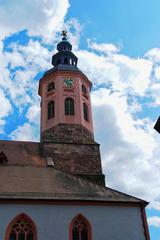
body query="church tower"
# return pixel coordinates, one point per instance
(67, 135)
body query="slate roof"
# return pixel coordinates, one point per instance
(26, 176)
(64, 67)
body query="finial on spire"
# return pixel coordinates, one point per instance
(64, 34)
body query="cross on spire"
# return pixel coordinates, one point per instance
(64, 34)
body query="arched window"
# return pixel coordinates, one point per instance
(50, 109)
(85, 111)
(21, 228)
(50, 87)
(69, 106)
(84, 90)
(80, 229)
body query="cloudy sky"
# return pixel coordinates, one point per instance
(118, 46)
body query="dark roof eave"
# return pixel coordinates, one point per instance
(67, 197)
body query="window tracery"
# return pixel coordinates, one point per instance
(21, 228)
(80, 229)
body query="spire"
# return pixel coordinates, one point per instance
(64, 45)
(64, 35)
(64, 56)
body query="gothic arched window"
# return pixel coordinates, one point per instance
(85, 111)
(50, 109)
(69, 106)
(21, 228)
(50, 87)
(80, 229)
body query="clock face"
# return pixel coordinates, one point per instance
(68, 82)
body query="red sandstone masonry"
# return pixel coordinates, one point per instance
(68, 133)
(73, 150)
(74, 158)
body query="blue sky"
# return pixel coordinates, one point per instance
(134, 24)
(118, 46)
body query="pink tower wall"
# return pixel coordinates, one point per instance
(59, 95)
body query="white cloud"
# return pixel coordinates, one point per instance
(128, 146)
(100, 69)
(14, 59)
(155, 204)
(33, 114)
(154, 221)
(40, 17)
(157, 73)
(18, 86)
(5, 109)
(154, 55)
(21, 65)
(74, 28)
(25, 62)
(123, 73)
(5, 105)
(34, 55)
(134, 73)
(124, 119)
(106, 48)
(25, 133)
(154, 92)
